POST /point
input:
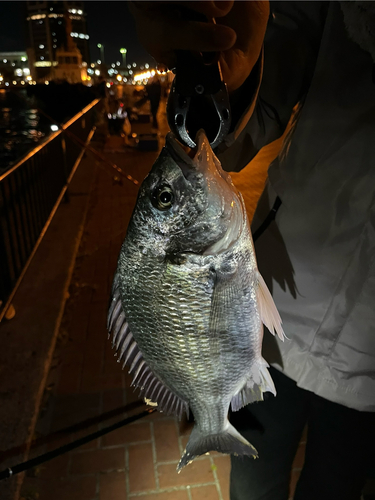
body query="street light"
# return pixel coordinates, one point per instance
(123, 53)
(101, 47)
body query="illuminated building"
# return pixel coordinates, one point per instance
(13, 66)
(52, 25)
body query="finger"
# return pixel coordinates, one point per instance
(208, 8)
(160, 35)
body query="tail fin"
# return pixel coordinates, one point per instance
(228, 441)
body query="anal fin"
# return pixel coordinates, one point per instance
(259, 382)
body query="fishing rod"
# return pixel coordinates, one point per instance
(45, 457)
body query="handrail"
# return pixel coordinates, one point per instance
(30, 196)
(49, 139)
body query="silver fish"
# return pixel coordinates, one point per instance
(188, 301)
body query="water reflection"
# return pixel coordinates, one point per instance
(21, 126)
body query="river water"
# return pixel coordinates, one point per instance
(21, 126)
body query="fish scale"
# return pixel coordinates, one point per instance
(192, 299)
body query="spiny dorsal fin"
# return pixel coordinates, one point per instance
(152, 389)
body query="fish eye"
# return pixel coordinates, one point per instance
(162, 198)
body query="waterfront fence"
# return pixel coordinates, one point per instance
(30, 193)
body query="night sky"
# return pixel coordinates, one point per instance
(108, 23)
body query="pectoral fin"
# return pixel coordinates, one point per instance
(267, 309)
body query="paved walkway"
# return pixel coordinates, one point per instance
(139, 460)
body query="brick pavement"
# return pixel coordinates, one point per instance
(139, 460)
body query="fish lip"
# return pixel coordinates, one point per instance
(179, 155)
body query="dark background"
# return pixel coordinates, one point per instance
(109, 23)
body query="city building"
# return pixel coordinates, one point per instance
(14, 67)
(52, 26)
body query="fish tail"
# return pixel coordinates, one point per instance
(228, 441)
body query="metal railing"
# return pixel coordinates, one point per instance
(30, 193)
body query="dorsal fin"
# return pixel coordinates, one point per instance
(152, 389)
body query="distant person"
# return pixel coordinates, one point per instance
(153, 89)
(101, 91)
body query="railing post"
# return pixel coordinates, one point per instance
(65, 164)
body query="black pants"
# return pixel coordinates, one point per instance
(340, 447)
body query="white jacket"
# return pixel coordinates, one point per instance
(318, 257)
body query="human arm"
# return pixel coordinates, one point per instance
(291, 47)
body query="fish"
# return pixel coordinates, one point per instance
(188, 302)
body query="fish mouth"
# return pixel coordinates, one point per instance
(188, 159)
(180, 154)
(203, 160)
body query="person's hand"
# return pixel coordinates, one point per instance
(238, 33)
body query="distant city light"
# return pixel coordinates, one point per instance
(119, 78)
(46, 82)
(134, 65)
(23, 59)
(92, 65)
(108, 85)
(7, 84)
(118, 63)
(147, 66)
(82, 36)
(97, 72)
(113, 65)
(14, 82)
(41, 46)
(5, 60)
(54, 128)
(99, 61)
(99, 45)
(129, 66)
(123, 51)
(19, 72)
(22, 82)
(42, 64)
